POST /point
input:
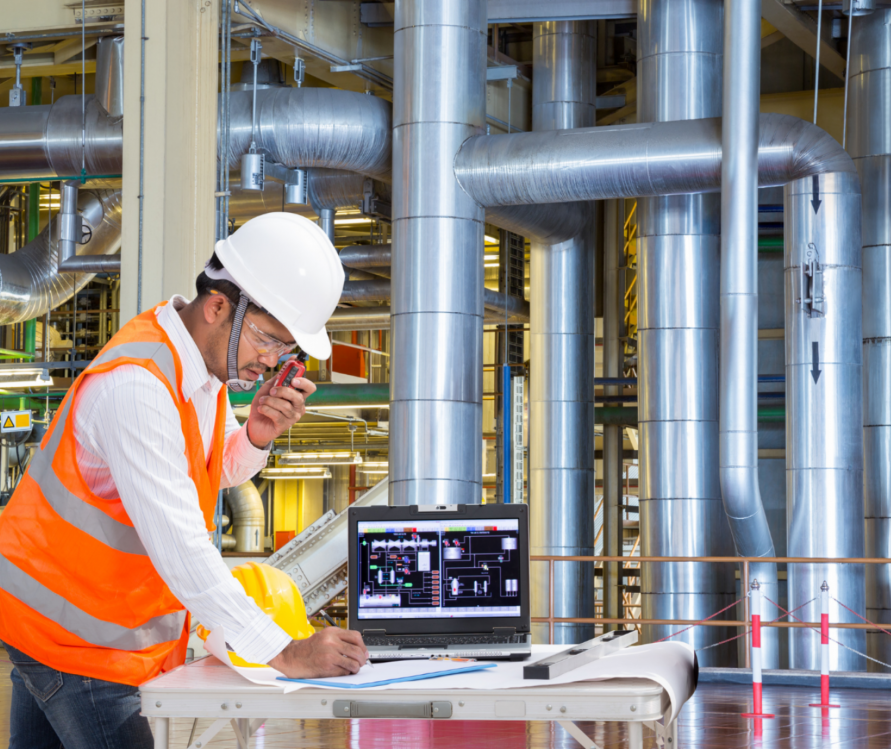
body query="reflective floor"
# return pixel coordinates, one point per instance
(711, 719)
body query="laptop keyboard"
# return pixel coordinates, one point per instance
(438, 642)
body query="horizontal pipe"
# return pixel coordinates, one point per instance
(661, 158)
(91, 264)
(364, 256)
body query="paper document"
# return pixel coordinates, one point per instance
(395, 672)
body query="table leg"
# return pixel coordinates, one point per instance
(162, 733)
(671, 735)
(635, 735)
(573, 730)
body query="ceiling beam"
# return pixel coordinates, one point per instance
(801, 29)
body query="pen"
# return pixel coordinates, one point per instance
(326, 621)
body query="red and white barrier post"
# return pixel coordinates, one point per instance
(824, 647)
(755, 605)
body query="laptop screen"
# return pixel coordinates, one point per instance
(438, 569)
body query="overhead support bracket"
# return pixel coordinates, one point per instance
(502, 73)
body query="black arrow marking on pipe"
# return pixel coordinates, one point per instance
(815, 202)
(815, 369)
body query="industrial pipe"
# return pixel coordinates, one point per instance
(109, 84)
(561, 378)
(248, 516)
(870, 147)
(437, 255)
(659, 158)
(738, 438)
(680, 55)
(30, 282)
(824, 401)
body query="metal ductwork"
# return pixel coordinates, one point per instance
(248, 516)
(367, 256)
(296, 127)
(680, 56)
(738, 439)
(561, 380)
(30, 282)
(44, 142)
(824, 408)
(664, 158)
(869, 133)
(313, 127)
(435, 408)
(110, 75)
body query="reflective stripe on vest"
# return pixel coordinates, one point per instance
(71, 508)
(54, 607)
(91, 520)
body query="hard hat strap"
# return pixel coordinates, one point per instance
(242, 386)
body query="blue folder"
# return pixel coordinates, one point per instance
(415, 677)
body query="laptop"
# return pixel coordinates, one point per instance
(440, 580)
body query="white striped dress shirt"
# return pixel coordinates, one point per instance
(130, 444)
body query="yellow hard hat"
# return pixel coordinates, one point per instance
(277, 595)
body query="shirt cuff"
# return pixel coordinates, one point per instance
(260, 641)
(245, 453)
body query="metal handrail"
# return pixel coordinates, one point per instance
(551, 620)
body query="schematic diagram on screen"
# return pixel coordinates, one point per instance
(440, 569)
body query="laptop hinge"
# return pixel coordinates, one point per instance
(504, 631)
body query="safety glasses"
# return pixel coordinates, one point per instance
(264, 343)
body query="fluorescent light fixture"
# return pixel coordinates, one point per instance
(374, 470)
(490, 240)
(347, 221)
(25, 378)
(375, 464)
(320, 459)
(491, 265)
(297, 472)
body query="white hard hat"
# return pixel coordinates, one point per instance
(287, 265)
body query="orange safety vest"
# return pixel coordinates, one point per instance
(78, 591)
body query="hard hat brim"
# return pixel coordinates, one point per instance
(317, 345)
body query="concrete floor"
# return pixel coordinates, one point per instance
(710, 720)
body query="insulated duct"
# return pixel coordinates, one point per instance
(296, 127)
(680, 56)
(110, 76)
(248, 516)
(824, 408)
(738, 445)
(437, 300)
(561, 380)
(660, 158)
(313, 127)
(30, 282)
(869, 133)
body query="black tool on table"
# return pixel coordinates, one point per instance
(580, 655)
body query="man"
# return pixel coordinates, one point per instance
(104, 544)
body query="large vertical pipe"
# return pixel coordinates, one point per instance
(869, 143)
(679, 73)
(739, 302)
(436, 389)
(824, 407)
(613, 366)
(561, 452)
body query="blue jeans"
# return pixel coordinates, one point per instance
(51, 709)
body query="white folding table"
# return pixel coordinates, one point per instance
(208, 689)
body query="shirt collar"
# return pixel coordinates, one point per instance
(195, 374)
